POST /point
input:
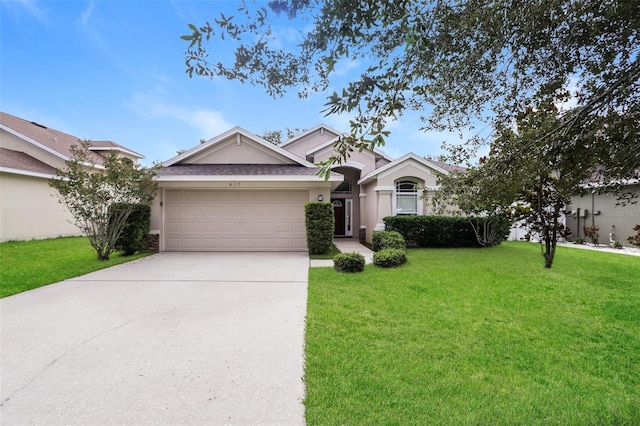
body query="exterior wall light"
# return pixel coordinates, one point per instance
(320, 198)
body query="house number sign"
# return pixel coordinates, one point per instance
(337, 203)
(234, 184)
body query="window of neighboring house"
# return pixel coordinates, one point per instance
(343, 188)
(406, 197)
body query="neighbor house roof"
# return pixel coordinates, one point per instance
(54, 141)
(20, 162)
(112, 146)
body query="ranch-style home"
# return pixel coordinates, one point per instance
(239, 192)
(30, 153)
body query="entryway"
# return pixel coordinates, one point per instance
(343, 215)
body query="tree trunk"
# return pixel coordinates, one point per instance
(550, 249)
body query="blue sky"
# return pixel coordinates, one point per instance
(114, 70)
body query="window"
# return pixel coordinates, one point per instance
(343, 188)
(406, 197)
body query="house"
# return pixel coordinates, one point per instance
(240, 192)
(30, 153)
(615, 221)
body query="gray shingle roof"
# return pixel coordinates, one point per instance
(21, 161)
(238, 170)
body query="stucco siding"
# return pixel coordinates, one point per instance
(30, 210)
(366, 159)
(301, 146)
(612, 219)
(407, 170)
(230, 152)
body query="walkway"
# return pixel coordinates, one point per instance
(345, 245)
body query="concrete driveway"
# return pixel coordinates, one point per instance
(175, 338)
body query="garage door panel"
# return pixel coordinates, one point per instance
(218, 220)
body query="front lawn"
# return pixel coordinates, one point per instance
(25, 265)
(476, 336)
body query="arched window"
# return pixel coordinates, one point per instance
(406, 197)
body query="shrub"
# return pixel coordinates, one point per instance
(388, 239)
(136, 229)
(635, 239)
(348, 262)
(442, 231)
(390, 257)
(319, 222)
(591, 232)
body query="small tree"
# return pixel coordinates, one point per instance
(532, 185)
(89, 192)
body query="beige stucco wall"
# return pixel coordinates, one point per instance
(300, 146)
(30, 210)
(365, 158)
(379, 194)
(229, 152)
(407, 170)
(613, 219)
(10, 141)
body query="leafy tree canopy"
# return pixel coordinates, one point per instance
(470, 60)
(91, 192)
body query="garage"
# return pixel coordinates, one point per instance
(234, 220)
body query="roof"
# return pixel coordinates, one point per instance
(11, 159)
(448, 167)
(237, 131)
(310, 131)
(53, 141)
(237, 170)
(112, 146)
(378, 153)
(410, 156)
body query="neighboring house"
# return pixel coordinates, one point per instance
(30, 153)
(615, 221)
(240, 192)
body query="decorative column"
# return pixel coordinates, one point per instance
(362, 235)
(384, 205)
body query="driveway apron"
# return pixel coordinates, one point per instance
(174, 338)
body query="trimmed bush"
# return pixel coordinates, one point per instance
(441, 231)
(388, 239)
(388, 258)
(348, 262)
(135, 232)
(319, 222)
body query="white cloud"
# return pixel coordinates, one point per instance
(86, 14)
(208, 123)
(28, 6)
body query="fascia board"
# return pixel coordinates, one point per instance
(335, 177)
(27, 173)
(116, 148)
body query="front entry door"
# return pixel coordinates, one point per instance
(339, 216)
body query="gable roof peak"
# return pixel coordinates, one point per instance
(238, 132)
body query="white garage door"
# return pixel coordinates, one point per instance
(247, 220)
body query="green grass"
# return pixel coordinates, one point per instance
(334, 250)
(25, 265)
(476, 336)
